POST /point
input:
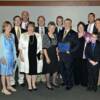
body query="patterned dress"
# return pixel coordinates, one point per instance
(8, 47)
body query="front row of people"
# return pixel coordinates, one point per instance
(49, 54)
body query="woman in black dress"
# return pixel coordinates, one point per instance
(30, 46)
(80, 62)
(51, 56)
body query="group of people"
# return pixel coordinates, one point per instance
(55, 55)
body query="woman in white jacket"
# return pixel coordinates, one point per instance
(30, 46)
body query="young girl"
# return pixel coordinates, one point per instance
(7, 58)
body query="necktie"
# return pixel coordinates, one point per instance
(65, 33)
(18, 33)
(42, 32)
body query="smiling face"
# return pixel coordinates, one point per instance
(25, 16)
(41, 21)
(30, 28)
(81, 28)
(59, 21)
(51, 28)
(8, 28)
(97, 23)
(67, 24)
(91, 18)
(17, 21)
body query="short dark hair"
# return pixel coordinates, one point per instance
(59, 17)
(98, 19)
(81, 23)
(17, 16)
(52, 23)
(31, 23)
(68, 19)
(40, 17)
(93, 14)
(6, 23)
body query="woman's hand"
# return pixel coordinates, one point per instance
(93, 62)
(3, 61)
(22, 58)
(58, 58)
(48, 60)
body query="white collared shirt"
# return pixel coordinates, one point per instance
(24, 24)
(59, 28)
(90, 28)
(42, 31)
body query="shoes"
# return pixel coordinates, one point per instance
(68, 87)
(49, 88)
(6, 92)
(11, 89)
(30, 90)
(55, 85)
(22, 85)
(35, 89)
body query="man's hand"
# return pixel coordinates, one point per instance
(93, 62)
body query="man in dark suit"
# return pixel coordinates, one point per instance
(17, 31)
(59, 23)
(90, 27)
(92, 53)
(67, 35)
(41, 29)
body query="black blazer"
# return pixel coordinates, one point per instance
(16, 39)
(37, 30)
(93, 56)
(79, 51)
(57, 33)
(94, 28)
(72, 38)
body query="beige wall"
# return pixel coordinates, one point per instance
(76, 13)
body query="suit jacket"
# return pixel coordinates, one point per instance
(71, 38)
(79, 51)
(94, 29)
(57, 33)
(95, 56)
(16, 39)
(37, 30)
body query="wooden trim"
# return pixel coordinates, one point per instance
(50, 3)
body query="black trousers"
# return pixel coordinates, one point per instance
(77, 70)
(84, 73)
(67, 73)
(93, 73)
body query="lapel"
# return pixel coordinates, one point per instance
(67, 35)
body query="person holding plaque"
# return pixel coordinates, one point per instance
(67, 45)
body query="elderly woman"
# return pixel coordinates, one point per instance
(50, 56)
(7, 57)
(30, 46)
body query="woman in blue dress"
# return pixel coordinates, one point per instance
(7, 57)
